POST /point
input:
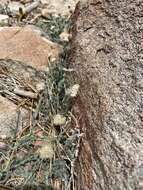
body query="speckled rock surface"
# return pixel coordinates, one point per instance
(109, 63)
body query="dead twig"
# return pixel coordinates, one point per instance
(29, 8)
(24, 93)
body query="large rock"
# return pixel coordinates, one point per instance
(27, 45)
(11, 118)
(109, 64)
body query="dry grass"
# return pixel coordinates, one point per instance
(44, 151)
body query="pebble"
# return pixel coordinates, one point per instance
(3, 19)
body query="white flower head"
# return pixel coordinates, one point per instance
(46, 151)
(65, 35)
(72, 91)
(59, 120)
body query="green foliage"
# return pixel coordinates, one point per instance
(22, 158)
(53, 26)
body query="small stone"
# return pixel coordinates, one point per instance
(3, 19)
(59, 7)
(3, 145)
(45, 13)
(14, 6)
(45, 2)
(3, 136)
